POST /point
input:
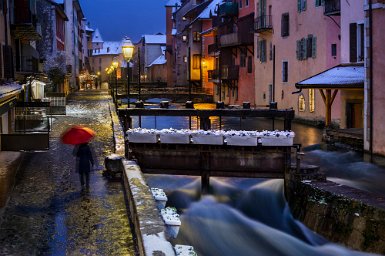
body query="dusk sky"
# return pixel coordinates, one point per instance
(118, 18)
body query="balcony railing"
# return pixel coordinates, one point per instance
(228, 9)
(237, 38)
(263, 23)
(27, 64)
(213, 48)
(332, 7)
(213, 74)
(230, 72)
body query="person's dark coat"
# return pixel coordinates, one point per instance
(85, 159)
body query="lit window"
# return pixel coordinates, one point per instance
(196, 36)
(184, 38)
(196, 61)
(185, 59)
(311, 101)
(301, 103)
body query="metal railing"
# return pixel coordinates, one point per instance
(263, 23)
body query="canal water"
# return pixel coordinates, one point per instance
(249, 216)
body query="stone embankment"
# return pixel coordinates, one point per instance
(342, 214)
(149, 228)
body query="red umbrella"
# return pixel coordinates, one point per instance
(77, 135)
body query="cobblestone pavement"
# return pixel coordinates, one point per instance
(48, 214)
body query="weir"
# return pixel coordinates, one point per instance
(257, 161)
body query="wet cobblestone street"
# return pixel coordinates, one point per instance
(48, 214)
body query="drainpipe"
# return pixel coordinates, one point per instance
(273, 90)
(371, 78)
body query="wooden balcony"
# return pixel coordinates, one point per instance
(228, 9)
(235, 39)
(332, 7)
(263, 24)
(24, 23)
(213, 48)
(230, 72)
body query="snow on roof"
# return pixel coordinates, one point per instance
(9, 88)
(159, 61)
(89, 29)
(342, 76)
(109, 47)
(210, 10)
(173, 3)
(155, 39)
(97, 38)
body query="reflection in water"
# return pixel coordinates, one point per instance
(241, 217)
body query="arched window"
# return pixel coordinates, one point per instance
(301, 103)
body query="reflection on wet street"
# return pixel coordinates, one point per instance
(48, 214)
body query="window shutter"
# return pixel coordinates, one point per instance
(299, 5)
(249, 64)
(258, 48)
(304, 49)
(303, 5)
(314, 47)
(298, 49)
(309, 45)
(353, 42)
(283, 25)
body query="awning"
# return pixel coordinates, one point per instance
(344, 76)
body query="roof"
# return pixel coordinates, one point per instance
(341, 76)
(159, 61)
(89, 29)
(173, 3)
(9, 88)
(109, 47)
(97, 38)
(196, 10)
(155, 39)
(210, 10)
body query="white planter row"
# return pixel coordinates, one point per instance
(160, 197)
(184, 250)
(233, 138)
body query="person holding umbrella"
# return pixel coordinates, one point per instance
(80, 136)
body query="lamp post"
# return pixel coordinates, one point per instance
(128, 50)
(98, 84)
(115, 65)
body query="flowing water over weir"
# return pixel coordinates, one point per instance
(251, 216)
(241, 217)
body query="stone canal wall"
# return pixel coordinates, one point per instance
(10, 162)
(149, 228)
(342, 214)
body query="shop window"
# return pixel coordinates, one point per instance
(301, 103)
(311, 101)
(196, 61)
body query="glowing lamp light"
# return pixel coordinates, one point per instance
(127, 49)
(115, 64)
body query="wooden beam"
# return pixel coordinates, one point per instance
(323, 95)
(328, 117)
(334, 96)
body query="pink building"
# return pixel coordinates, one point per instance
(294, 42)
(374, 118)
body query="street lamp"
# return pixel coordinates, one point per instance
(98, 83)
(128, 50)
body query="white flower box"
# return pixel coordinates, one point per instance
(277, 138)
(160, 197)
(174, 138)
(139, 135)
(241, 138)
(172, 221)
(184, 250)
(207, 137)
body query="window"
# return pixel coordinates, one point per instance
(196, 61)
(196, 36)
(240, 4)
(249, 64)
(246, 2)
(262, 50)
(307, 47)
(108, 49)
(285, 68)
(185, 59)
(285, 25)
(271, 93)
(184, 38)
(356, 41)
(301, 5)
(301, 103)
(319, 3)
(334, 50)
(242, 59)
(311, 101)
